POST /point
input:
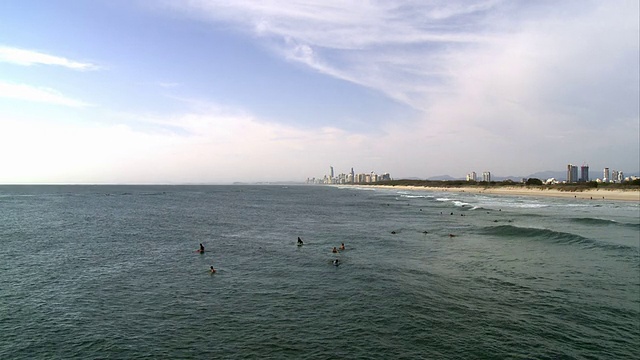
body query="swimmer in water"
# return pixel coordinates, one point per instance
(212, 270)
(300, 241)
(201, 248)
(342, 246)
(336, 262)
(335, 250)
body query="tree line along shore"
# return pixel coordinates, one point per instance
(532, 183)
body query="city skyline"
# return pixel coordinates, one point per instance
(221, 92)
(572, 176)
(348, 178)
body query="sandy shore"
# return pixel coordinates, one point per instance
(591, 194)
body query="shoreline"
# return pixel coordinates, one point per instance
(591, 194)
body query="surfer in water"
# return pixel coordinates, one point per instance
(300, 241)
(201, 249)
(212, 270)
(336, 262)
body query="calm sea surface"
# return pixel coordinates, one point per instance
(111, 272)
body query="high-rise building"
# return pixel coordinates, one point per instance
(572, 173)
(472, 176)
(605, 175)
(486, 176)
(584, 173)
(331, 172)
(615, 175)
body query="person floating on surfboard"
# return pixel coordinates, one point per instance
(201, 250)
(212, 270)
(300, 241)
(336, 262)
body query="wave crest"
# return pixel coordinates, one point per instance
(559, 237)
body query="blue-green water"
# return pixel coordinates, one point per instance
(111, 272)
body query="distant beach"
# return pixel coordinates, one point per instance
(591, 194)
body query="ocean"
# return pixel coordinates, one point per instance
(112, 272)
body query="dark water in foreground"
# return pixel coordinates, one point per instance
(111, 272)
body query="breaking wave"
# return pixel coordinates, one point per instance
(558, 237)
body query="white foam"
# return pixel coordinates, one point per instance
(528, 206)
(414, 196)
(460, 203)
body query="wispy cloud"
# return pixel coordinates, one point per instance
(398, 49)
(416, 51)
(36, 94)
(498, 73)
(29, 57)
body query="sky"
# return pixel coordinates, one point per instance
(199, 91)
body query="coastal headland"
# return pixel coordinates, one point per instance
(626, 193)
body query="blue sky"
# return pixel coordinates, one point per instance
(223, 91)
